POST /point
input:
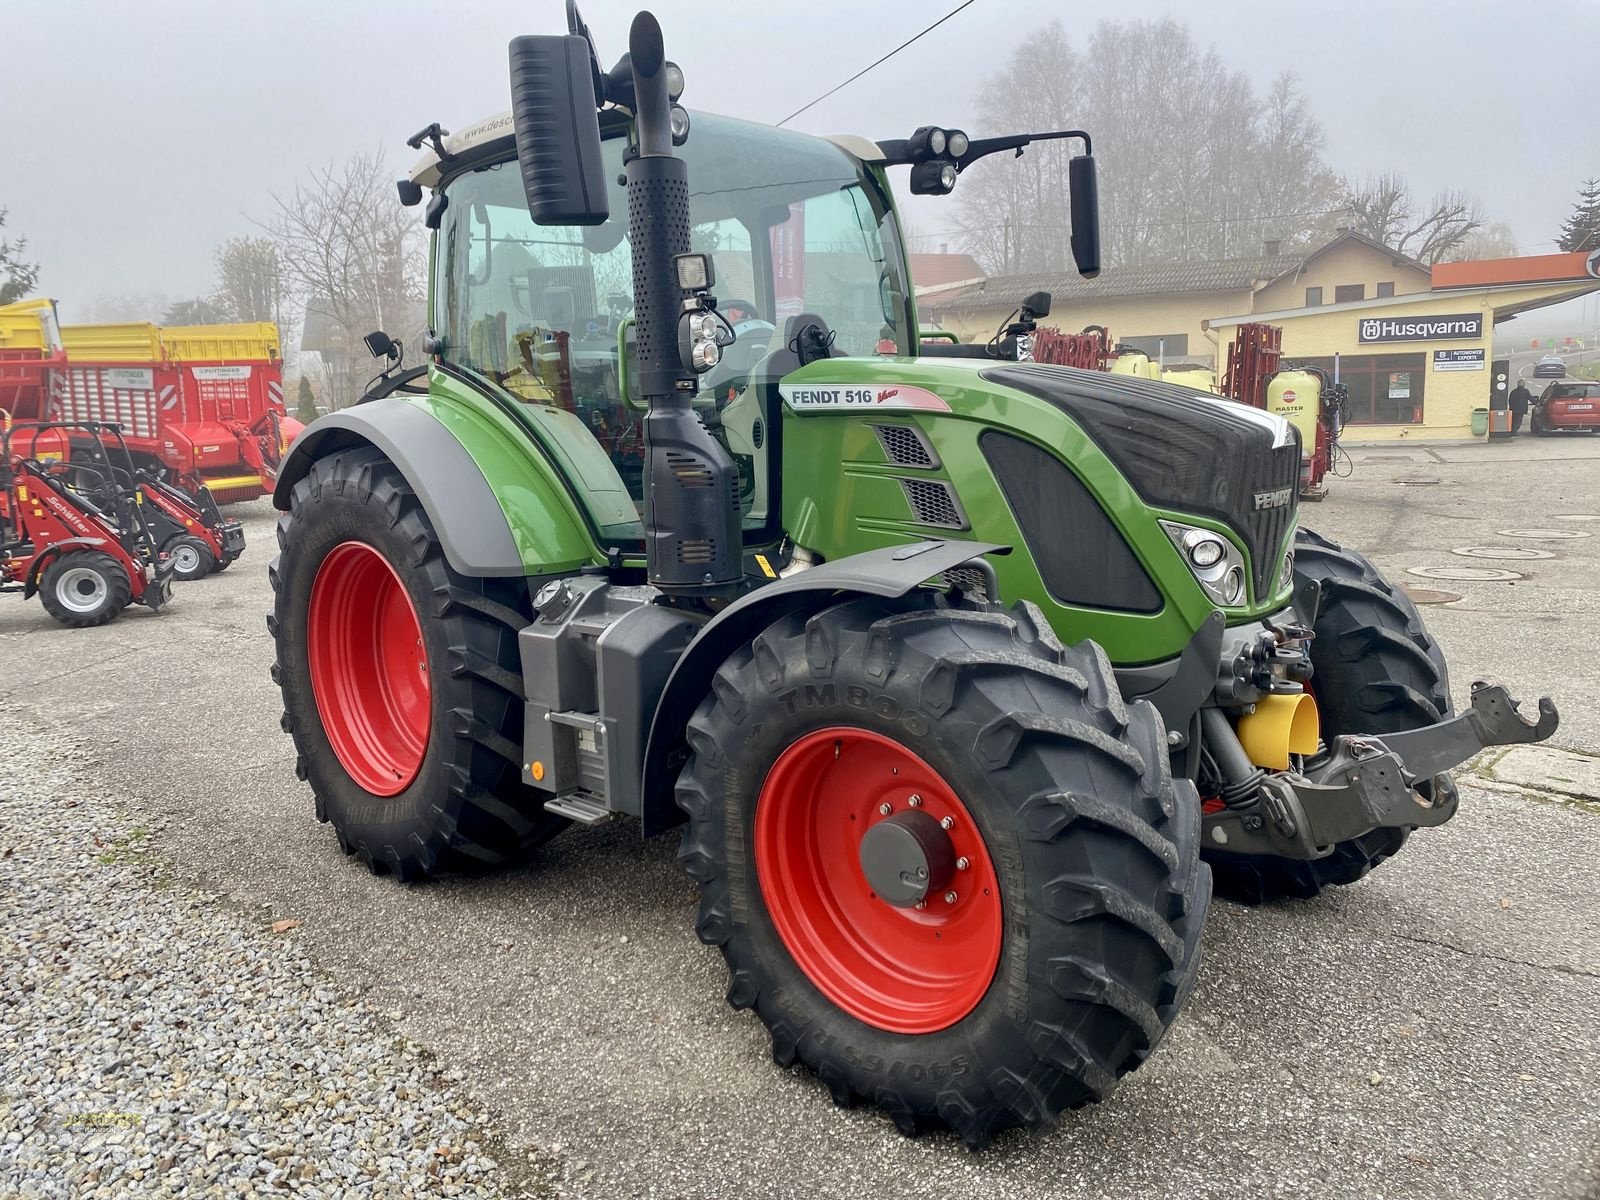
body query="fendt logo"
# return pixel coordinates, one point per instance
(1274, 499)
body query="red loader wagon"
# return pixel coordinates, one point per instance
(203, 402)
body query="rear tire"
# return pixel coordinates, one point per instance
(462, 806)
(1094, 852)
(84, 588)
(1377, 669)
(191, 558)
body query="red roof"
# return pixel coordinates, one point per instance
(938, 270)
(1535, 268)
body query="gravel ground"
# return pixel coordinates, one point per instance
(159, 1042)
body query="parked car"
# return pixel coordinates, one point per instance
(1571, 404)
(1551, 366)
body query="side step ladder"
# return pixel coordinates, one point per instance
(582, 807)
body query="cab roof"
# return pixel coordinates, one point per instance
(495, 135)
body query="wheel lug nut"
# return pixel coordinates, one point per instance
(915, 801)
(946, 822)
(962, 864)
(886, 809)
(949, 897)
(922, 904)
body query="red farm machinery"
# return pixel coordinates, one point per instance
(74, 531)
(201, 405)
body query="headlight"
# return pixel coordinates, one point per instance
(1204, 549)
(1286, 572)
(956, 143)
(1216, 563)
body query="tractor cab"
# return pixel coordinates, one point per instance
(801, 231)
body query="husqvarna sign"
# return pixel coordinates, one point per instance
(1448, 328)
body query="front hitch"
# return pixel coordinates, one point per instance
(1366, 782)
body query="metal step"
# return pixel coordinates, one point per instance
(580, 807)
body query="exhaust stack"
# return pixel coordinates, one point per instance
(691, 514)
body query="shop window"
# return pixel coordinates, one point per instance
(1347, 292)
(1313, 297)
(1385, 289)
(1172, 345)
(1385, 389)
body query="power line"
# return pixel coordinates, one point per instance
(880, 62)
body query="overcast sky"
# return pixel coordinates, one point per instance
(139, 135)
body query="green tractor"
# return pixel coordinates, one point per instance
(964, 676)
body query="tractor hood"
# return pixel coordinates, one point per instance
(1184, 450)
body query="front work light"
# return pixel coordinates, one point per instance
(694, 272)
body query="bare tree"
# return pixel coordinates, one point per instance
(352, 257)
(1195, 164)
(250, 279)
(1014, 216)
(1382, 208)
(1494, 240)
(17, 276)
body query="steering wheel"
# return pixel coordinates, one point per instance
(750, 311)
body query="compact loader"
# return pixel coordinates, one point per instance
(964, 677)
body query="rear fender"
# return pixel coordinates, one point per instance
(890, 572)
(471, 525)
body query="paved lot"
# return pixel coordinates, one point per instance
(1433, 1031)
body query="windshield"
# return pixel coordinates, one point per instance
(794, 224)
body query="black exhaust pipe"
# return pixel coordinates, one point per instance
(691, 514)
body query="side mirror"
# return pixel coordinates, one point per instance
(1085, 201)
(381, 345)
(1038, 304)
(558, 133)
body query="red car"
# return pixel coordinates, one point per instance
(1571, 404)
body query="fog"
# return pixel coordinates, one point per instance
(139, 136)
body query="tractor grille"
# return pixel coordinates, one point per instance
(934, 503)
(905, 446)
(1183, 450)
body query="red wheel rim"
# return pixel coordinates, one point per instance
(369, 669)
(906, 970)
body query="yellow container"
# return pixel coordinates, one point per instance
(29, 325)
(134, 341)
(1297, 397)
(254, 341)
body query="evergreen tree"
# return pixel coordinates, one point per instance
(306, 406)
(1582, 230)
(17, 276)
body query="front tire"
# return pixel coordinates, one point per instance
(191, 558)
(401, 680)
(1073, 937)
(85, 588)
(1376, 669)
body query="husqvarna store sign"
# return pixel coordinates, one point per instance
(1419, 362)
(1451, 326)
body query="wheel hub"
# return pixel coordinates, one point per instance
(907, 856)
